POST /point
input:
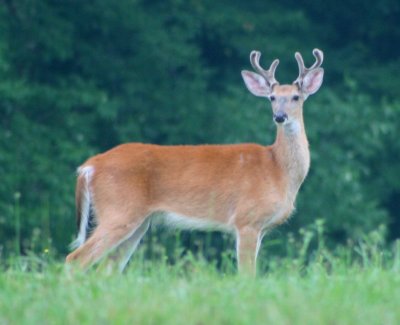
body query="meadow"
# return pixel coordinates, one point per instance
(354, 284)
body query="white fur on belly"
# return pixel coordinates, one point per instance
(171, 219)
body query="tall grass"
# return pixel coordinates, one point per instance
(354, 284)
(17, 218)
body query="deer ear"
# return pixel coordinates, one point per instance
(256, 84)
(312, 81)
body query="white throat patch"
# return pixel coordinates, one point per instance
(292, 127)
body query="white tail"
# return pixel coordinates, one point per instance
(244, 189)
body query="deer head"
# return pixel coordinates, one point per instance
(287, 100)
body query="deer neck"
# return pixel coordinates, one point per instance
(292, 153)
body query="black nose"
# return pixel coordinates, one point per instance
(280, 117)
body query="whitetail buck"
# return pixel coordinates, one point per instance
(244, 189)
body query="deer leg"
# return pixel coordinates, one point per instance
(248, 241)
(119, 258)
(103, 240)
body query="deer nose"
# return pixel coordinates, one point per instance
(280, 117)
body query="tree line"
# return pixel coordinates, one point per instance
(80, 77)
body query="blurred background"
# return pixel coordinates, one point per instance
(79, 77)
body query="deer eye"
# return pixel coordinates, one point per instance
(272, 98)
(295, 98)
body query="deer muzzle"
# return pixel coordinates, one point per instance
(280, 117)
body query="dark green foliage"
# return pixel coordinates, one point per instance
(77, 78)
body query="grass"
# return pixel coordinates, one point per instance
(357, 285)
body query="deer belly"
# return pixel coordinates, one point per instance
(174, 220)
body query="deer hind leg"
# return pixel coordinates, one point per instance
(248, 240)
(106, 237)
(119, 211)
(119, 258)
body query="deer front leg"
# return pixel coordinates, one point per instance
(248, 241)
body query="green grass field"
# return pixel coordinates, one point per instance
(360, 285)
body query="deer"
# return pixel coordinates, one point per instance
(244, 189)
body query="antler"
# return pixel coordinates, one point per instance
(269, 75)
(303, 71)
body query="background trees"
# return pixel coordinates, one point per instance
(77, 78)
